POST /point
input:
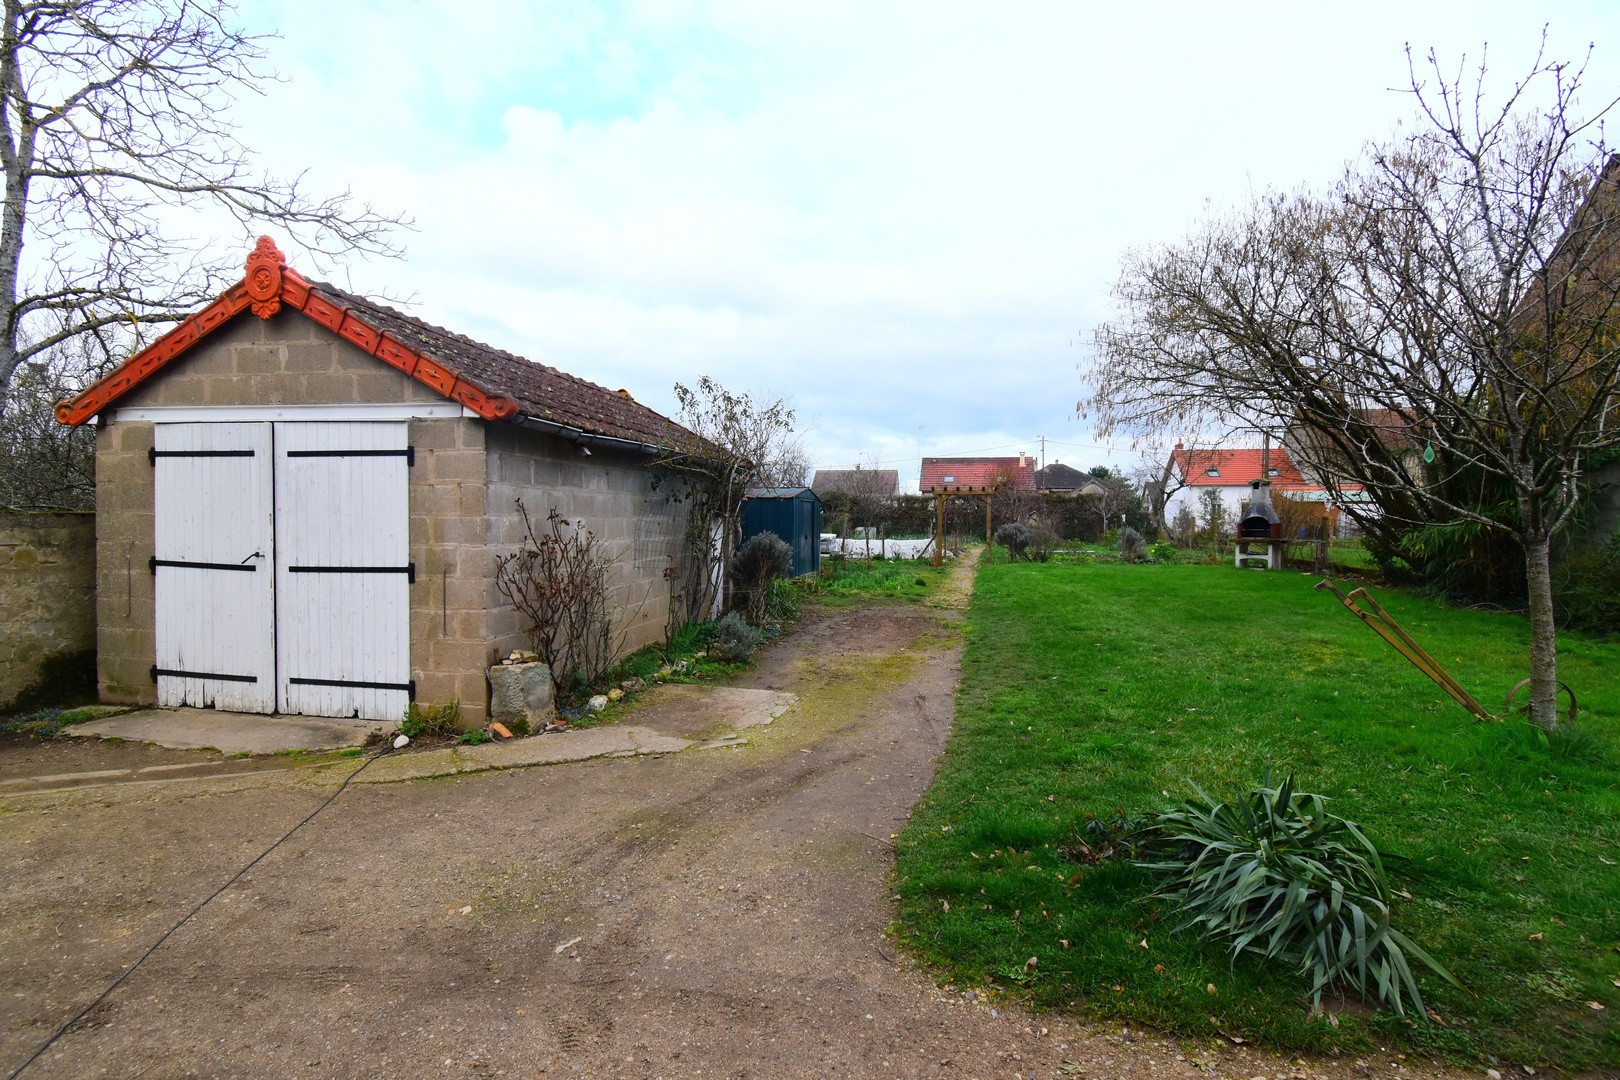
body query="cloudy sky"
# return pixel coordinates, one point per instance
(904, 218)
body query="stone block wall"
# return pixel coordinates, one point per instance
(47, 597)
(609, 493)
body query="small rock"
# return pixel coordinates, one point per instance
(630, 686)
(666, 671)
(597, 703)
(401, 741)
(500, 730)
(1493, 1074)
(615, 694)
(467, 910)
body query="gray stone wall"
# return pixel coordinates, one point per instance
(47, 596)
(609, 493)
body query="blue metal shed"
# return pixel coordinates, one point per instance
(794, 514)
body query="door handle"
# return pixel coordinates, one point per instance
(255, 555)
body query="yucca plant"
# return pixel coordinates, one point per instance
(1278, 876)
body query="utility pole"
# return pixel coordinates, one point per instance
(1043, 452)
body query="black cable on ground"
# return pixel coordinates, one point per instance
(82, 1013)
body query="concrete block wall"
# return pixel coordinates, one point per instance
(47, 595)
(612, 494)
(463, 486)
(454, 594)
(284, 360)
(126, 611)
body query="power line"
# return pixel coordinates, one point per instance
(969, 453)
(234, 878)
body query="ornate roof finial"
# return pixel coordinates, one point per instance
(263, 280)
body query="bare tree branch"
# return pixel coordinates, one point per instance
(1446, 317)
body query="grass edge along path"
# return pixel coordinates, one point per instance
(1091, 688)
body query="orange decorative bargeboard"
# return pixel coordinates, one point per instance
(268, 284)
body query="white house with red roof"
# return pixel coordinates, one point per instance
(1231, 472)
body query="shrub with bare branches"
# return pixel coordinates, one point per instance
(557, 580)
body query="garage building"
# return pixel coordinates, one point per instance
(301, 495)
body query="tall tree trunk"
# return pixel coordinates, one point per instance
(1543, 633)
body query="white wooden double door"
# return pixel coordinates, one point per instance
(282, 567)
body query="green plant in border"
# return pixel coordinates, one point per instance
(420, 720)
(1278, 876)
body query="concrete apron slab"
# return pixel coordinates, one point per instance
(663, 711)
(718, 713)
(232, 733)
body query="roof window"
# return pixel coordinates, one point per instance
(949, 479)
(1212, 471)
(1273, 472)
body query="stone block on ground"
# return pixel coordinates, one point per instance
(522, 692)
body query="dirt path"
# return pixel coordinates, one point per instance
(717, 913)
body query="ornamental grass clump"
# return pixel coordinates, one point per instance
(1275, 875)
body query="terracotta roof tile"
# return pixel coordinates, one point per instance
(495, 384)
(540, 391)
(977, 472)
(856, 481)
(1234, 467)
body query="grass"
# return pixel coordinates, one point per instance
(47, 723)
(1093, 687)
(847, 579)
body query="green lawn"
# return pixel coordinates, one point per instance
(1095, 687)
(845, 579)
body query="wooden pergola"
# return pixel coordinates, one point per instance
(946, 491)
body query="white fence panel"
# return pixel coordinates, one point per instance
(214, 559)
(343, 575)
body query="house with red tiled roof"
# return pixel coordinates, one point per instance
(1195, 472)
(946, 474)
(301, 497)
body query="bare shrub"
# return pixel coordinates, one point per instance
(557, 580)
(1042, 542)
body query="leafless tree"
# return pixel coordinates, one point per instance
(788, 465)
(1447, 312)
(117, 154)
(733, 437)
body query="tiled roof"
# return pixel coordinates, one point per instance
(856, 481)
(540, 391)
(1060, 477)
(1235, 467)
(942, 473)
(493, 383)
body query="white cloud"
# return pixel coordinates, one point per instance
(900, 216)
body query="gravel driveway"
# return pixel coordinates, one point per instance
(716, 913)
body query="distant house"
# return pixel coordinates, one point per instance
(1061, 479)
(943, 474)
(1231, 472)
(879, 482)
